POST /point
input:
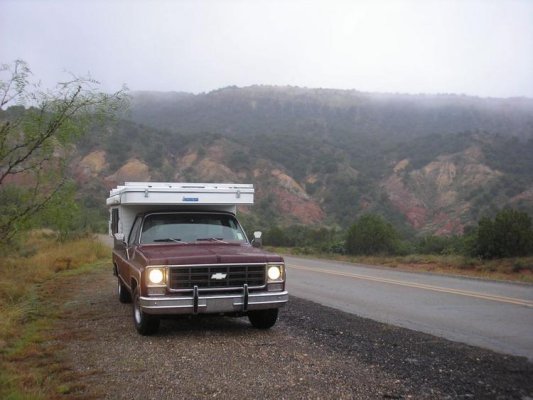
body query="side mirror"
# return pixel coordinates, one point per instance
(119, 242)
(257, 241)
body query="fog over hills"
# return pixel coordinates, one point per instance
(428, 163)
(329, 112)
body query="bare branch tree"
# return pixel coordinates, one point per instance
(36, 128)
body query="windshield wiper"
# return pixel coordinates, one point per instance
(170, 240)
(219, 240)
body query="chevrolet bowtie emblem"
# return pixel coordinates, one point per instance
(219, 275)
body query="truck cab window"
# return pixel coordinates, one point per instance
(190, 227)
(134, 231)
(114, 220)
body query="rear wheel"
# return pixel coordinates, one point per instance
(145, 324)
(263, 319)
(124, 295)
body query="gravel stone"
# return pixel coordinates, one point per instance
(313, 352)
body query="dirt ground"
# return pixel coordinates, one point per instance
(313, 352)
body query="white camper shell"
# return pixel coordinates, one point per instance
(125, 202)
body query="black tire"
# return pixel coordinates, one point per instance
(145, 324)
(263, 319)
(124, 295)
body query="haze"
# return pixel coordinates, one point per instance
(482, 48)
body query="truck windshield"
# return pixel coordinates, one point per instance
(191, 228)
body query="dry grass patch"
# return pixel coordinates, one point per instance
(509, 269)
(32, 288)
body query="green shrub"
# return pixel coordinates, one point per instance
(371, 235)
(508, 235)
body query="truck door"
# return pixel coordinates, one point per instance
(126, 267)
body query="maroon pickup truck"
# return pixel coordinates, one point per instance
(196, 262)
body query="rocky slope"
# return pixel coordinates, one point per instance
(277, 191)
(434, 197)
(441, 194)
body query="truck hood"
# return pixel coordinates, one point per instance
(204, 253)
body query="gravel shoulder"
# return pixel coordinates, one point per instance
(314, 352)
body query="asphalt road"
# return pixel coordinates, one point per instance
(493, 315)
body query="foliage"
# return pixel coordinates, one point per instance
(239, 159)
(321, 239)
(440, 245)
(512, 156)
(35, 139)
(510, 234)
(70, 216)
(302, 155)
(276, 236)
(421, 151)
(371, 234)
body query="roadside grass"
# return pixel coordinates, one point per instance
(32, 291)
(508, 269)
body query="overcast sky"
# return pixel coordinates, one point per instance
(482, 48)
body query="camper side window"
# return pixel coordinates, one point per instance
(134, 231)
(114, 220)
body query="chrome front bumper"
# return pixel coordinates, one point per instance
(213, 304)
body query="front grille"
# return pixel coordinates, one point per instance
(205, 277)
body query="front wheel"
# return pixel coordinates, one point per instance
(124, 295)
(145, 324)
(263, 319)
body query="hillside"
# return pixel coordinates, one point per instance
(431, 176)
(330, 113)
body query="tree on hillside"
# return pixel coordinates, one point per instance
(37, 128)
(371, 234)
(510, 234)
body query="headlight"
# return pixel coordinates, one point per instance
(274, 272)
(156, 276)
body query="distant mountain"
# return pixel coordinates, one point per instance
(438, 182)
(330, 113)
(428, 164)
